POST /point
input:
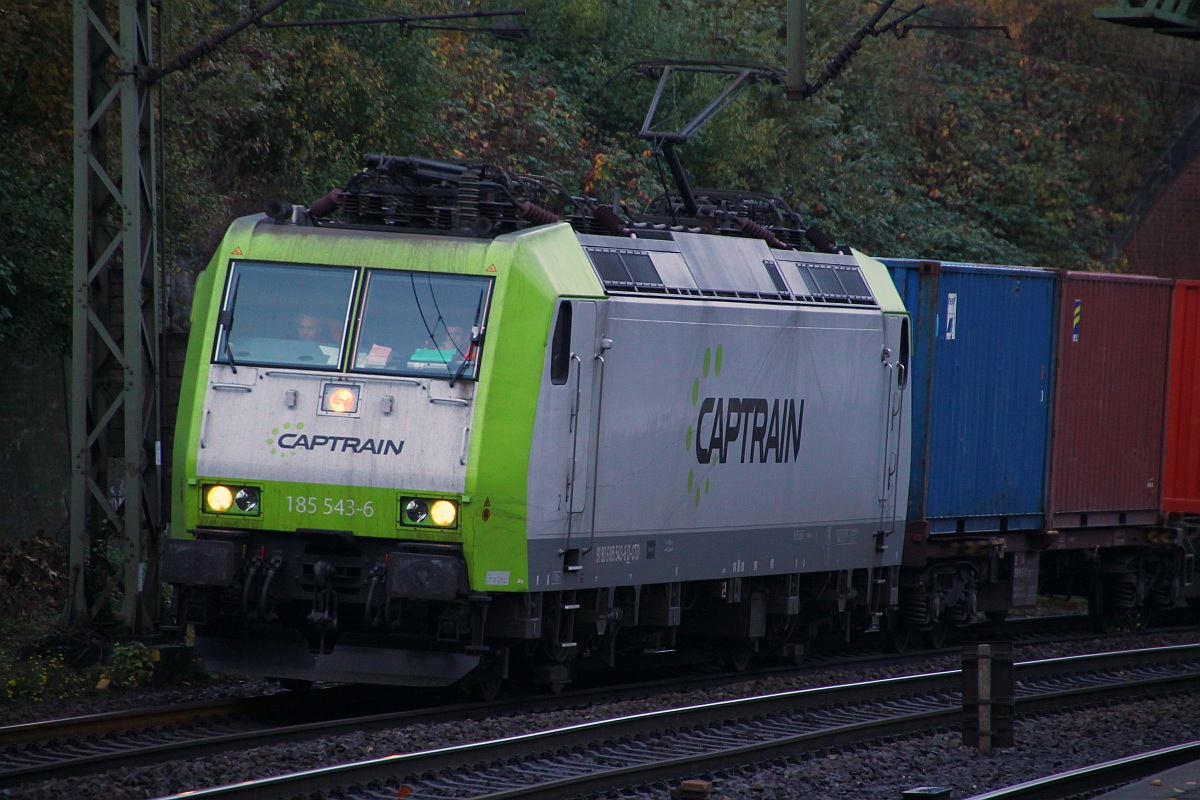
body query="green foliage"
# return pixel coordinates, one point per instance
(35, 169)
(39, 660)
(8, 292)
(55, 668)
(32, 584)
(35, 255)
(128, 666)
(107, 559)
(39, 677)
(952, 144)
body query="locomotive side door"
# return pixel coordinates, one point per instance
(575, 366)
(895, 366)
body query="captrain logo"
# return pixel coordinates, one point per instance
(693, 433)
(285, 441)
(740, 430)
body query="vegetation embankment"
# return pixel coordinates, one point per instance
(40, 660)
(1021, 144)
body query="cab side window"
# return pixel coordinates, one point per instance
(560, 346)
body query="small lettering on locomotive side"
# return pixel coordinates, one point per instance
(618, 553)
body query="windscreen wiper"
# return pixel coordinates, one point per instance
(225, 320)
(476, 337)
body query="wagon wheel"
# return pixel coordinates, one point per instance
(996, 617)
(1100, 611)
(935, 637)
(897, 632)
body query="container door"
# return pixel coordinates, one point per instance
(1110, 396)
(1181, 480)
(989, 399)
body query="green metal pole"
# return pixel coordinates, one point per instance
(114, 420)
(797, 49)
(76, 611)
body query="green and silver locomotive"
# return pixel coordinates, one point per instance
(451, 424)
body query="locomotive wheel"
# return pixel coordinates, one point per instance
(739, 656)
(486, 682)
(487, 688)
(559, 680)
(552, 677)
(557, 654)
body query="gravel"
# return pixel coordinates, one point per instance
(1043, 746)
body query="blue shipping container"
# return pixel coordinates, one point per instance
(982, 361)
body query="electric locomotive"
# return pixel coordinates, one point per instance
(451, 424)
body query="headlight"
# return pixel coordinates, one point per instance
(443, 513)
(218, 499)
(222, 498)
(416, 511)
(428, 513)
(246, 499)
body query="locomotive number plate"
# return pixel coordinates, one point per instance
(329, 506)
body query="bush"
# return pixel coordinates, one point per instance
(39, 658)
(128, 667)
(33, 583)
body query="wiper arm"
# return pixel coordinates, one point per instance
(469, 357)
(476, 337)
(225, 320)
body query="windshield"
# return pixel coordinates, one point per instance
(410, 323)
(420, 324)
(284, 315)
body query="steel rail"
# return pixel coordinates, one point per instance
(94, 724)
(87, 745)
(1028, 629)
(1098, 777)
(712, 735)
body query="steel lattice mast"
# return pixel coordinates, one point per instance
(115, 408)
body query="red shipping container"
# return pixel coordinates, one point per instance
(1181, 470)
(1109, 400)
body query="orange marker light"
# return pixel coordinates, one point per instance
(340, 398)
(343, 401)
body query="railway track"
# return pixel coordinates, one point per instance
(89, 745)
(652, 750)
(1091, 780)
